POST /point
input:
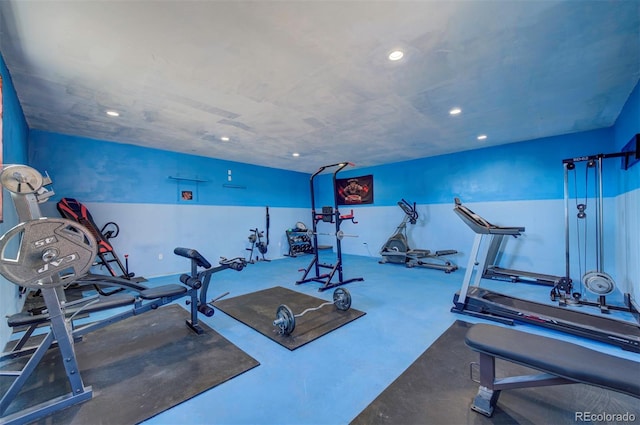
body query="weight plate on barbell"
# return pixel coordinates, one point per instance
(342, 299)
(598, 283)
(286, 320)
(21, 179)
(46, 251)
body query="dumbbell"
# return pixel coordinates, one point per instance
(286, 320)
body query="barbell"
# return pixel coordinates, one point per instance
(286, 320)
(339, 234)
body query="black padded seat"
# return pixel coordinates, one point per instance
(556, 357)
(163, 291)
(103, 303)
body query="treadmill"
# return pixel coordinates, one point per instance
(496, 234)
(479, 302)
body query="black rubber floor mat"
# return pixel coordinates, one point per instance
(437, 389)
(258, 311)
(137, 368)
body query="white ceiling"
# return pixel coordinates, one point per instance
(313, 77)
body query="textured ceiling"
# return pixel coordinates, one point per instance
(278, 77)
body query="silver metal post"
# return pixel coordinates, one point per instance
(600, 229)
(566, 223)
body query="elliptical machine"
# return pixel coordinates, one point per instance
(397, 250)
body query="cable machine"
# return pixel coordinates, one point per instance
(596, 280)
(328, 215)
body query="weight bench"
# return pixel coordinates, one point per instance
(143, 301)
(561, 363)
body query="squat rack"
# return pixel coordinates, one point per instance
(328, 215)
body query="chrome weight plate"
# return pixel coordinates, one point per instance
(598, 283)
(46, 252)
(21, 179)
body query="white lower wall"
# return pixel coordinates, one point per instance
(540, 249)
(627, 247)
(150, 232)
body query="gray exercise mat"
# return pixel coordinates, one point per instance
(137, 368)
(258, 311)
(436, 389)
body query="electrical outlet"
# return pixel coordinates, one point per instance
(160, 256)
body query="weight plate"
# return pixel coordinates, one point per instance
(286, 320)
(46, 251)
(598, 283)
(342, 299)
(21, 179)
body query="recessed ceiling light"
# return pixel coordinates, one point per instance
(455, 111)
(224, 138)
(482, 137)
(396, 55)
(296, 154)
(113, 113)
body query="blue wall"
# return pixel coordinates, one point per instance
(98, 171)
(14, 150)
(628, 122)
(627, 125)
(14, 128)
(530, 170)
(139, 189)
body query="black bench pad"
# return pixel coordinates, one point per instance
(557, 357)
(103, 303)
(163, 291)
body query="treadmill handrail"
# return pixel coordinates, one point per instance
(479, 225)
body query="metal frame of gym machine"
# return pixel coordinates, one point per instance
(479, 302)
(52, 266)
(597, 281)
(334, 217)
(472, 300)
(490, 270)
(396, 248)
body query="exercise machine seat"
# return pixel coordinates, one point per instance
(560, 358)
(162, 291)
